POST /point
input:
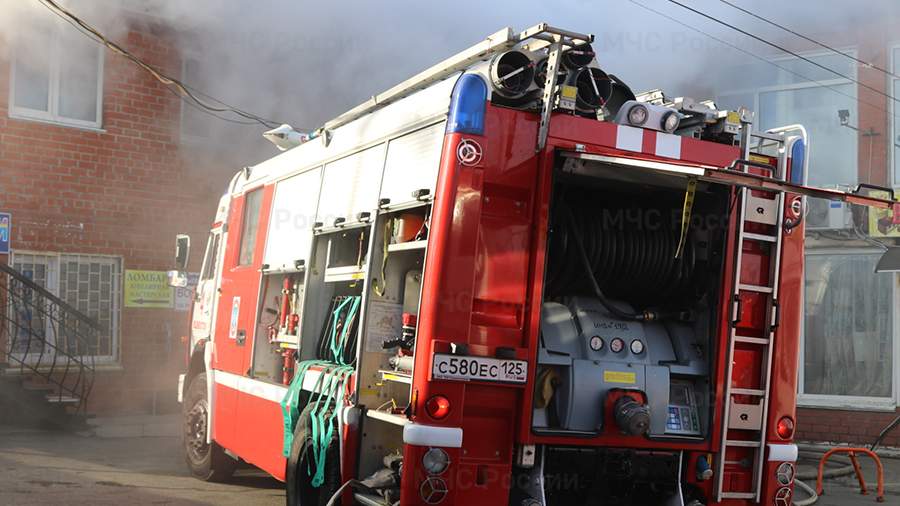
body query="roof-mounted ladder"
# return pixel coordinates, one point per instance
(537, 37)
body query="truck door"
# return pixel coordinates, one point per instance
(237, 297)
(288, 240)
(206, 296)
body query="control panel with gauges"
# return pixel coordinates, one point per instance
(594, 360)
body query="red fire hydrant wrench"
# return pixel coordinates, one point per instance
(851, 452)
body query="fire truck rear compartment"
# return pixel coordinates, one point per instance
(627, 361)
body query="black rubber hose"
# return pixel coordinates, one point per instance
(891, 426)
(630, 250)
(589, 271)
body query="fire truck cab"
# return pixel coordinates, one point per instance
(509, 280)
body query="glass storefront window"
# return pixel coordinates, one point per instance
(848, 328)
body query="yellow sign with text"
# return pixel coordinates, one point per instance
(883, 222)
(627, 378)
(148, 289)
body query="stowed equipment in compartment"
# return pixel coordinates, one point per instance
(599, 371)
(628, 319)
(389, 343)
(277, 334)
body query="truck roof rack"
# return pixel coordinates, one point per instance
(538, 36)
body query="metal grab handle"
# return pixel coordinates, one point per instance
(761, 165)
(887, 189)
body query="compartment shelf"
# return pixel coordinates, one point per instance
(407, 246)
(391, 418)
(395, 376)
(345, 273)
(286, 341)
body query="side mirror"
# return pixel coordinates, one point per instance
(177, 279)
(182, 251)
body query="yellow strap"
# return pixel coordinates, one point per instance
(686, 214)
(378, 285)
(547, 381)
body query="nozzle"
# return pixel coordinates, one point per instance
(631, 416)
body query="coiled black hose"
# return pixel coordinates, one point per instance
(585, 263)
(631, 259)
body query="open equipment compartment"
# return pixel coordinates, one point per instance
(631, 356)
(385, 369)
(276, 337)
(337, 274)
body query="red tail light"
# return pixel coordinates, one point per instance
(785, 427)
(438, 407)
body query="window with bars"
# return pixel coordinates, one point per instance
(91, 284)
(32, 323)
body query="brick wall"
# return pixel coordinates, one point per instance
(844, 426)
(124, 191)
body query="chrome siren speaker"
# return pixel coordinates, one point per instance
(512, 73)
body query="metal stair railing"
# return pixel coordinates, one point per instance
(47, 338)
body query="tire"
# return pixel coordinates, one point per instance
(300, 491)
(206, 461)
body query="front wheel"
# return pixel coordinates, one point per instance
(299, 488)
(206, 461)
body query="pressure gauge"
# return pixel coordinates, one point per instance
(637, 347)
(596, 343)
(617, 345)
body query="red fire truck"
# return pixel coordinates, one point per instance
(509, 280)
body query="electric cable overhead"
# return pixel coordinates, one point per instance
(186, 101)
(761, 58)
(810, 39)
(780, 48)
(188, 93)
(196, 107)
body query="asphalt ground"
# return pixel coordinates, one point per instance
(118, 464)
(138, 460)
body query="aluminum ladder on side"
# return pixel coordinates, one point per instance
(745, 422)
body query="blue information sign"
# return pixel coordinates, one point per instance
(5, 232)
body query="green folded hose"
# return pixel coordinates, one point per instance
(327, 392)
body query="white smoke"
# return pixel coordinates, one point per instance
(302, 62)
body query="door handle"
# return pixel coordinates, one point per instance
(241, 337)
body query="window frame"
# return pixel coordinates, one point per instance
(51, 115)
(213, 244)
(54, 261)
(191, 138)
(245, 208)
(819, 83)
(892, 110)
(851, 402)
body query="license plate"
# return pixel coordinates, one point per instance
(466, 368)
